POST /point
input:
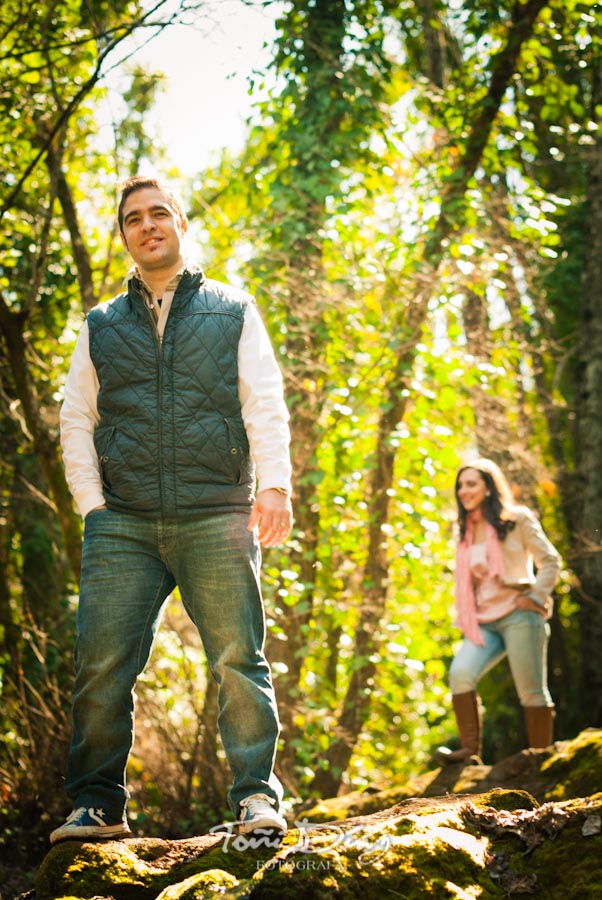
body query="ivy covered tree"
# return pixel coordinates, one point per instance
(417, 245)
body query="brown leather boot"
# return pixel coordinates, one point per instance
(540, 725)
(468, 717)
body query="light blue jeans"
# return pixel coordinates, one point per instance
(523, 636)
(129, 567)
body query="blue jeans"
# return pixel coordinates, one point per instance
(129, 567)
(523, 636)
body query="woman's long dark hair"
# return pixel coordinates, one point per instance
(496, 507)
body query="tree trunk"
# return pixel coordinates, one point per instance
(45, 445)
(9, 630)
(290, 653)
(80, 251)
(211, 771)
(495, 437)
(436, 66)
(588, 497)
(322, 38)
(356, 704)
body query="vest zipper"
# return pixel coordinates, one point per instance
(153, 321)
(159, 344)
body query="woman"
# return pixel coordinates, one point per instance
(502, 606)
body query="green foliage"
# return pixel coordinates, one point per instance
(355, 236)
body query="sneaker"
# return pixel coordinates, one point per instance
(257, 811)
(89, 823)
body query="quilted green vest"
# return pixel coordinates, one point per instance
(171, 440)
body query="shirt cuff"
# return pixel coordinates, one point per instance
(88, 500)
(269, 484)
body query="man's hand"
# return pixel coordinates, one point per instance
(273, 512)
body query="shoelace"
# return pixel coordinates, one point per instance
(253, 804)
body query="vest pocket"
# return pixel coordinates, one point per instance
(237, 450)
(103, 438)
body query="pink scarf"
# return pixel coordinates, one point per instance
(465, 600)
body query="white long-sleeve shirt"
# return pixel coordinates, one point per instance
(264, 414)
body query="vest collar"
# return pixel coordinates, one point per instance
(191, 277)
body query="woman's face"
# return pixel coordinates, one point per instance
(472, 489)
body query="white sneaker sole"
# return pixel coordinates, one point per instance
(83, 832)
(276, 823)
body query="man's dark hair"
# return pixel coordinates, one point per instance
(138, 183)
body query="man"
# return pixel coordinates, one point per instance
(173, 411)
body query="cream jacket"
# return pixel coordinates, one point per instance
(525, 546)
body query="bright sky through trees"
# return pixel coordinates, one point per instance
(207, 63)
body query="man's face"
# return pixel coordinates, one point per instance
(152, 232)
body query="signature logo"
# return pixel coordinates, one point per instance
(313, 839)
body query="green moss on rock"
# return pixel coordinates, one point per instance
(483, 845)
(131, 869)
(202, 886)
(575, 766)
(87, 870)
(499, 799)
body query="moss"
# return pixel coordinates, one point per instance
(567, 867)
(548, 852)
(86, 870)
(568, 769)
(499, 799)
(202, 886)
(575, 766)
(364, 803)
(573, 861)
(413, 869)
(423, 853)
(119, 869)
(149, 849)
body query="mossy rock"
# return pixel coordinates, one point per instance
(575, 767)
(490, 844)
(203, 885)
(554, 851)
(141, 869)
(441, 848)
(565, 770)
(414, 848)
